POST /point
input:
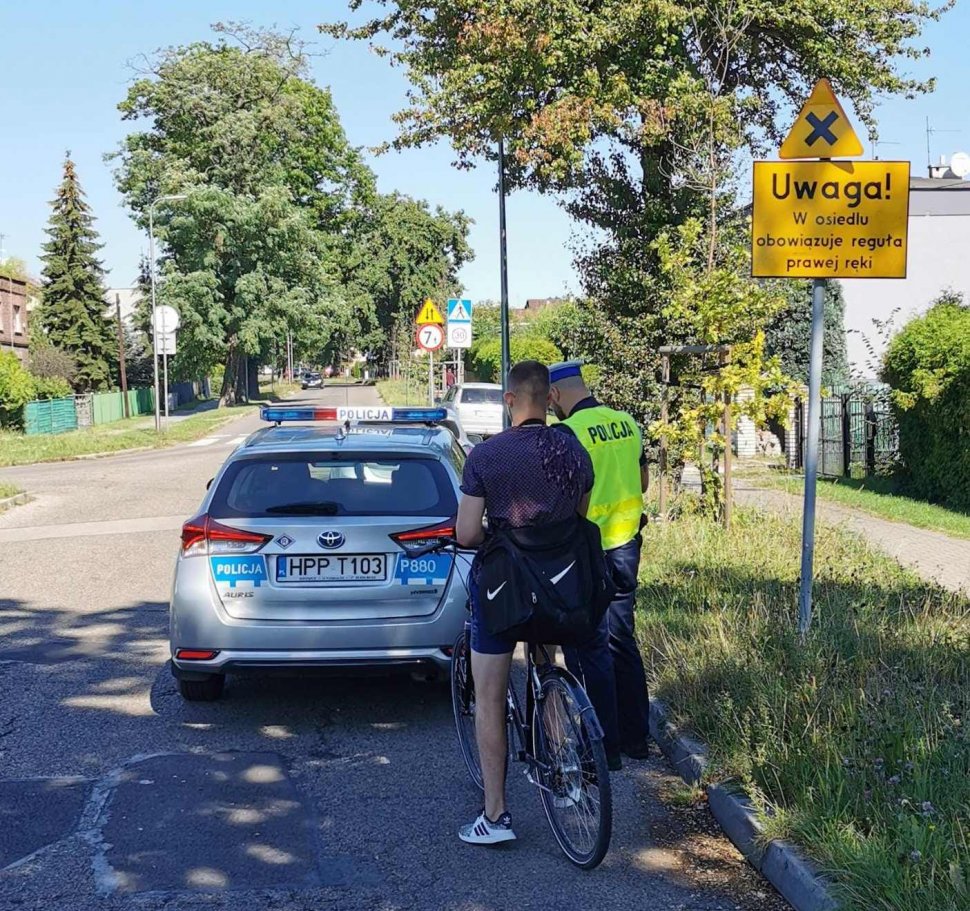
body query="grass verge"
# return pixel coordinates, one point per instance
(855, 745)
(8, 490)
(399, 392)
(880, 497)
(18, 449)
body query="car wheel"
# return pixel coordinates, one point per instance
(207, 690)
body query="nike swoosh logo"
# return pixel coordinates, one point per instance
(556, 579)
(492, 595)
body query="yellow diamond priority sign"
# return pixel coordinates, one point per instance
(822, 129)
(429, 313)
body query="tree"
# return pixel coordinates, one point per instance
(15, 268)
(283, 230)
(73, 313)
(789, 334)
(927, 365)
(405, 253)
(271, 183)
(598, 101)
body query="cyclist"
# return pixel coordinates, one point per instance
(611, 664)
(526, 476)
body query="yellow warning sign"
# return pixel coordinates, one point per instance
(822, 129)
(830, 219)
(429, 313)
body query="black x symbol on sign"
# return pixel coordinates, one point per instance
(821, 128)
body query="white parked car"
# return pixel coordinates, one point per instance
(477, 407)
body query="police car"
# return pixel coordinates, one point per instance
(298, 559)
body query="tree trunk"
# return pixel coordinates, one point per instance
(253, 378)
(230, 384)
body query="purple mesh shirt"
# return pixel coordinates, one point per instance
(528, 475)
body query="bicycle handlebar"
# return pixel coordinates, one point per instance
(436, 547)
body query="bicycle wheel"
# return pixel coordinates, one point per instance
(575, 780)
(463, 703)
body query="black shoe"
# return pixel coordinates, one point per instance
(614, 761)
(639, 750)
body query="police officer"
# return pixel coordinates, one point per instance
(611, 664)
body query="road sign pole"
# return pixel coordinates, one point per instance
(811, 456)
(431, 378)
(165, 369)
(504, 277)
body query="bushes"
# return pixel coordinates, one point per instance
(486, 357)
(16, 389)
(928, 367)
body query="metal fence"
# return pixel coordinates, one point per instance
(74, 411)
(107, 407)
(858, 436)
(50, 416)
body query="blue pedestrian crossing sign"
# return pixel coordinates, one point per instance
(459, 311)
(822, 129)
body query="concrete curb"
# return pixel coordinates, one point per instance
(16, 500)
(779, 862)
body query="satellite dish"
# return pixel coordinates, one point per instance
(960, 164)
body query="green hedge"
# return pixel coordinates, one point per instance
(928, 367)
(486, 357)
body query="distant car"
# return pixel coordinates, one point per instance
(477, 407)
(298, 559)
(312, 381)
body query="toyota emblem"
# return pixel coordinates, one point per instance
(331, 539)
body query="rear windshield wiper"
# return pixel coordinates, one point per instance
(325, 508)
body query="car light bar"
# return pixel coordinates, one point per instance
(356, 413)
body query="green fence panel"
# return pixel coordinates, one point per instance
(106, 407)
(50, 416)
(141, 401)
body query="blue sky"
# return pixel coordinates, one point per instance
(66, 68)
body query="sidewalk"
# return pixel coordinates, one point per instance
(932, 555)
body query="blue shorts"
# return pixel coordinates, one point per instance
(483, 641)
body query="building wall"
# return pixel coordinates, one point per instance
(939, 260)
(13, 317)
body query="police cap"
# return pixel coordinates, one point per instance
(565, 369)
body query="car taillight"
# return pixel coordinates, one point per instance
(203, 535)
(196, 654)
(420, 537)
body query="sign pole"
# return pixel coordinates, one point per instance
(811, 455)
(431, 378)
(165, 368)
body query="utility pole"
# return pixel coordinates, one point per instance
(121, 358)
(504, 279)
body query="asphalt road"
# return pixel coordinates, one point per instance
(287, 794)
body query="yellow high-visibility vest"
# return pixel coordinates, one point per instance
(613, 442)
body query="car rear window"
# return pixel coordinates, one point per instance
(481, 397)
(308, 485)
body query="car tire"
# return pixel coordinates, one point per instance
(207, 690)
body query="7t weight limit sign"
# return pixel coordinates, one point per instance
(430, 337)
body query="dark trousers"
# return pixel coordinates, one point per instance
(610, 666)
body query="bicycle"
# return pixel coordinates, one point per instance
(558, 737)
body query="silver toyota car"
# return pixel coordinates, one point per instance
(298, 557)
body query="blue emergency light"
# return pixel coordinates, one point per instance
(378, 414)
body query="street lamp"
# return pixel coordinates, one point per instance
(504, 281)
(175, 197)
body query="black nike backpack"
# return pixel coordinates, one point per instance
(546, 584)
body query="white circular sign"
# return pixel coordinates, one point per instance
(166, 319)
(430, 336)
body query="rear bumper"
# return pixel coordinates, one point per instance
(305, 661)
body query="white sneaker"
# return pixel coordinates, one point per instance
(485, 832)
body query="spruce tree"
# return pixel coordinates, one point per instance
(73, 313)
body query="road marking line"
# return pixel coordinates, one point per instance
(206, 441)
(237, 441)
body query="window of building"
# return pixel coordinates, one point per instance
(18, 322)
